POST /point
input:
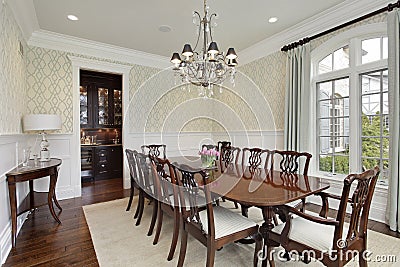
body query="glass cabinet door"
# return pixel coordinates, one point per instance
(103, 111)
(117, 107)
(83, 99)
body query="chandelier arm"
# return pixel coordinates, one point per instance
(198, 35)
(210, 27)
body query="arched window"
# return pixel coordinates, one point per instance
(350, 79)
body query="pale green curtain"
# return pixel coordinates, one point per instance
(393, 210)
(297, 99)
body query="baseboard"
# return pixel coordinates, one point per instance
(5, 237)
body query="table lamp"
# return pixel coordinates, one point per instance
(42, 123)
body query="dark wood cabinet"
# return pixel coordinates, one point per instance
(100, 100)
(108, 162)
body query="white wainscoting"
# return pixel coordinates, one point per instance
(68, 185)
(189, 143)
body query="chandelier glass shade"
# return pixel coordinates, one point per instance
(209, 66)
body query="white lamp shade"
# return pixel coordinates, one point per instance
(41, 122)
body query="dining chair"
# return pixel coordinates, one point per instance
(133, 177)
(228, 155)
(222, 144)
(332, 241)
(168, 202)
(145, 183)
(292, 162)
(155, 150)
(213, 226)
(253, 159)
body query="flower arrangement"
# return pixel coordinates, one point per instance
(208, 157)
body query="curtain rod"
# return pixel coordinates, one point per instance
(305, 40)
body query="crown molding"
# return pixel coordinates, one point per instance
(325, 20)
(66, 43)
(25, 15)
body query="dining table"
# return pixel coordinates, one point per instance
(266, 189)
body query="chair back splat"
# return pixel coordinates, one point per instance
(155, 150)
(291, 161)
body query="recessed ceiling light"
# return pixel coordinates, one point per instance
(273, 20)
(72, 17)
(164, 28)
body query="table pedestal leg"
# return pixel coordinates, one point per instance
(265, 229)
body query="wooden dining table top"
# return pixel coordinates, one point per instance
(256, 187)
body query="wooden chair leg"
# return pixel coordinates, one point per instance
(236, 204)
(257, 250)
(175, 235)
(130, 198)
(210, 255)
(140, 198)
(245, 210)
(153, 218)
(182, 253)
(141, 207)
(159, 225)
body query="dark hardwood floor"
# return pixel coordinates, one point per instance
(42, 242)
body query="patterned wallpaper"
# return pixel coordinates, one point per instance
(49, 80)
(268, 73)
(12, 74)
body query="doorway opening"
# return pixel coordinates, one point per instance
(100, 97)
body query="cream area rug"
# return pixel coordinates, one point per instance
(118, 242)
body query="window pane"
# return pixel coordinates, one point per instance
(341, 164)
(325, 90)
(324, 108)
(384, 172)
(325, 163)
(324, 129)
(371, 147)
(325, 145)
(371, 82)
(341, 58)
(369, 163)
(385, 81)
(385, 125)
(385, 107)
(385, 148)
(385, 47)
(346, 107)
(371, 50)
(325, 65)
(371, 104)
(342, 87)
(371, 125)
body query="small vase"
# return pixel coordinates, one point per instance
(207, 161)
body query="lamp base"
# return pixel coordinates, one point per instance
(44, 155)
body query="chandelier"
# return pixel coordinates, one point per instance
(209, 66)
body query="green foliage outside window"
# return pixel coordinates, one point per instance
(370, 148)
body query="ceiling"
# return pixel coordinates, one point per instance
(135, 24)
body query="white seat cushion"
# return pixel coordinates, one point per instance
(293, 204)
(201, 201)
(315, 235)
(226, 222)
